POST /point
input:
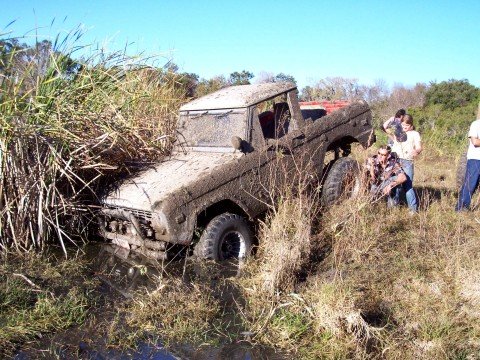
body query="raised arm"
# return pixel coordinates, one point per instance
(386, 124)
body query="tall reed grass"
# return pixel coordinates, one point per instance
(66, 124)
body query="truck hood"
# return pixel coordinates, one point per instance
(151, 186)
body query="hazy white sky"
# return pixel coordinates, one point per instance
(399, 41)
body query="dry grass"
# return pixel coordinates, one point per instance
(392, 286)
(175, 311)
(408, 273)
(286, 243)
(69, 127)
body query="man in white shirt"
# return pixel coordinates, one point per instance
(472, 174)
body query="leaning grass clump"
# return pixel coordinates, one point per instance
(285, 236)
(175, 311)
(285, 243)
(66, 126)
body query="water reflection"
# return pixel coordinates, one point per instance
(126, 271)
(151, 352)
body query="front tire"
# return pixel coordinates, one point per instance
(227, 236)
(342, 182)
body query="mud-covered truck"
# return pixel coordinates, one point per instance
(235, 150)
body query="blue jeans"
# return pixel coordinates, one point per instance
(407, 186)
(470, 183)
(377, 191)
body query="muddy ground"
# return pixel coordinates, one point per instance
(120, 276)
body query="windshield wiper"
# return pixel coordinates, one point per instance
(218, 116)
(199, 115)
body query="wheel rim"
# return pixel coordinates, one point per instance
(232, 246)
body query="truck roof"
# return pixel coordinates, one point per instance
(239, 96)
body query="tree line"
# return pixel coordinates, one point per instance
(446, 95)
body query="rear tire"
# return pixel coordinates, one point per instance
(343, 181)
(227, 236)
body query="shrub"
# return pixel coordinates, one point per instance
(452, 94)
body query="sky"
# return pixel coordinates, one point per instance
(399, 42)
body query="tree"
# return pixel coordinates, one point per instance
(333, 88)
(268, 77)
(307, 94)
(25, 64)
(385, 103)
(205, 86)
(190, 82)
(405, 97)
(185, 82)
(376, 93)
(240, 78)
(452, 94)
(9, 52)
(284, 77)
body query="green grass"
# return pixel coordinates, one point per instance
(34, 301)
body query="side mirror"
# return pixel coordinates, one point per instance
(237, 143)
(241, 145)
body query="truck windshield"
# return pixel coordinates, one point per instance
(212, 128)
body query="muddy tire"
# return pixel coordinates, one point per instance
(461, 169)
(342, 182)
(226, 236)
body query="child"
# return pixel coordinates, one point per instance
(394, 127)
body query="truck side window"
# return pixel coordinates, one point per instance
(274, 116)
(267, 122)
(282, 119)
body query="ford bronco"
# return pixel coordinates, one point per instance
(234, 149)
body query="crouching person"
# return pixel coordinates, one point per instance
(385, 174)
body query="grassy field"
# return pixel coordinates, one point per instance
(357, 281)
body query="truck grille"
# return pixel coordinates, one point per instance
(141, 215)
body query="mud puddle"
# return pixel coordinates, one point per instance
(123, 274)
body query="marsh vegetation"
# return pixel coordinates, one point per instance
(356, 280)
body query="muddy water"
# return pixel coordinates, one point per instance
(122, 274)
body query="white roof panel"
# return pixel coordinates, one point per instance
(239, 96)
